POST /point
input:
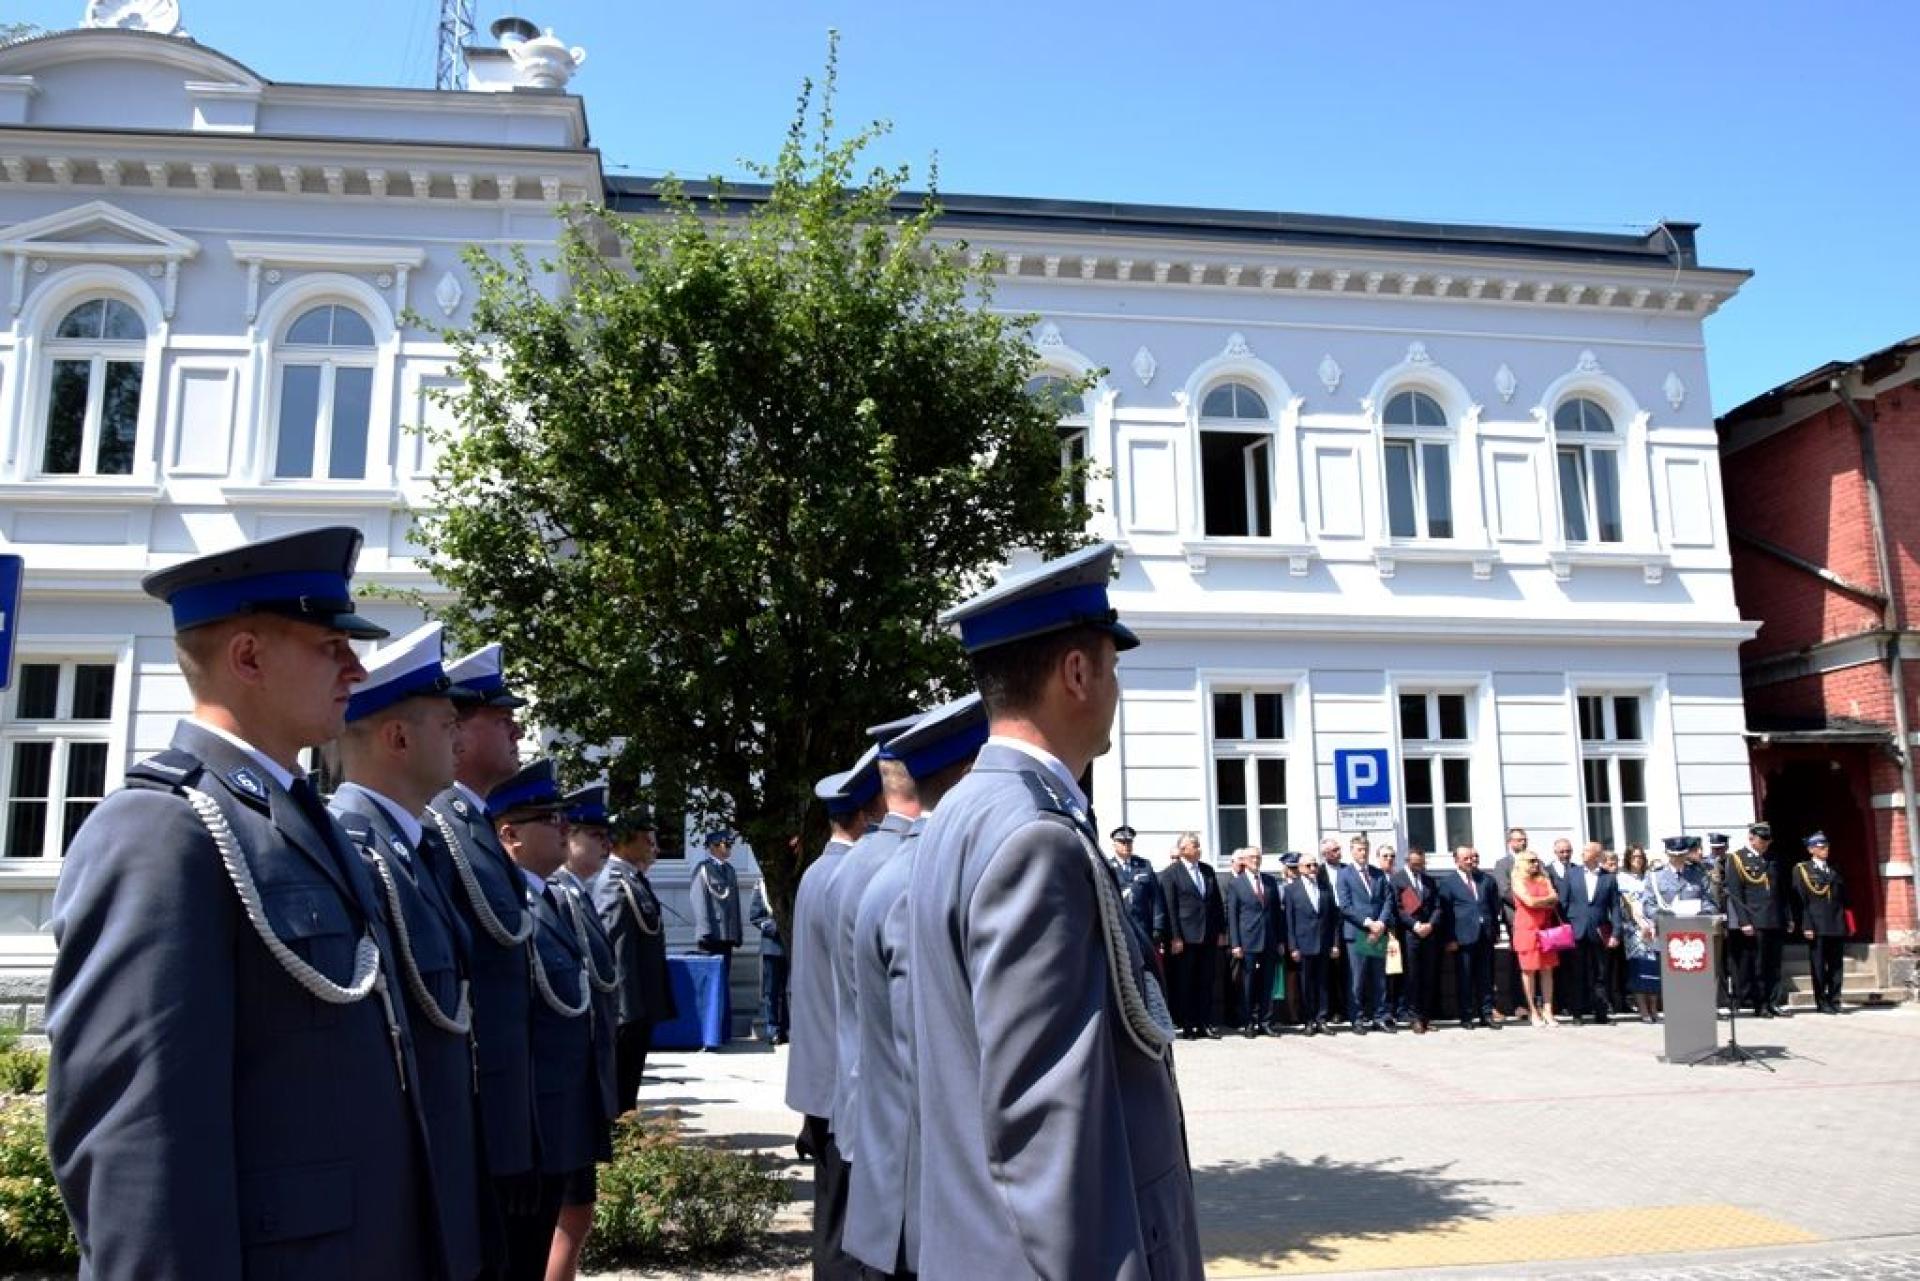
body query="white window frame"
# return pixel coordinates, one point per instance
(98, 353)
(68, 653)
(1250, 751)
(1611, 750)
(1584, 446)
(329, 360)
(1417, 439)
(1253, 475)
(1433, 750)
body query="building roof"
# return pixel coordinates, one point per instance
(1666, 244)
(1874, 367)
(1813, 729)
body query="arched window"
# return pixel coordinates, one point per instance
(1419, 467)
(1070, 407)
(324, 368)
(1236, 462)
(1587, 454)
(97, 361)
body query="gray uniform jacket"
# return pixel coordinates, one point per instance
(436, 940)
(1061, 1147)
(714, 892)
(631, 915)
(761, 917)
(566, 1083)
(208, 1118)
(502, 988)
(883, 1207)
(814, 1048)
(869, 854)
(578, 900)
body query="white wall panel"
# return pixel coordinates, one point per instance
(1152, 487)
(1516, 497)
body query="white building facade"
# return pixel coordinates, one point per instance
(1448, 492)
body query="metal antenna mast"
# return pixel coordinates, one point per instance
(456, 29)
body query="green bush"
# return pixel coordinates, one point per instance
(34, 1232)
(661, 1199)
(22, 1070)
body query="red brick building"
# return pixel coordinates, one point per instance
(1822, 478)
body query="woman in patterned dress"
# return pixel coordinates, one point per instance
(1643, 955)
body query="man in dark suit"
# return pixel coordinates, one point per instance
(1472, 907)
(1420, 913)
(630, 913)
(1511, 994)
(230, 1093)
(1196, 930)
(1823, 921)
(1756, 924)
(1366, 908)
(1139, 887)
(1591, 901)
(397, 755)
(1256, 931)
(1313, 939)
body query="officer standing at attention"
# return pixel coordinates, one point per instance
(1139, 887)
(1823, 921)
(1756, 924)
(714, 891)
(773, 962)
(883, 1212)
(486, 890)
(231, 1093)
(529, 817)
(813, 1062)
(397, 754)
(631, 914)
(1048, 1111)
(587, 851)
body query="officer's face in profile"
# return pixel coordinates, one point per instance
(487, 742)
(639, 849)
(537, 842)
(300, 674)
(435, 735)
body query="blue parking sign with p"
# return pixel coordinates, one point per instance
(1360, 777)
(12, 570)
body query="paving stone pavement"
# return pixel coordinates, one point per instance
(1570, 1152)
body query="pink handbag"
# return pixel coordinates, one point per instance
(1556, 938)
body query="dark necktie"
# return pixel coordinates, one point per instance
(308, 802)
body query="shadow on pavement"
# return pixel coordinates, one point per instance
(1266, 1211)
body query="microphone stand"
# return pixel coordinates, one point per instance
(1732, 1051)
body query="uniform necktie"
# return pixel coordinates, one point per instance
(308, 802)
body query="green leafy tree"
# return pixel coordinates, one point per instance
(711, 490)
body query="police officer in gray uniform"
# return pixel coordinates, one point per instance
(483, 886)
(1042, 1044)
(714, 893)
(397, 754)
(231, 1091)
(883, 1211)
(529, 817)
(851, 799)
(631, 914)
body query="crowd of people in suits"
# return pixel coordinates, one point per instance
(1374, 943)
(381, 1037)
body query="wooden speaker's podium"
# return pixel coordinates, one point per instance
(1690, 951)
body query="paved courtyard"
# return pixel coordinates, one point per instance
(1566, 1152)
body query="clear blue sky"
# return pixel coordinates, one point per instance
(1786, 129)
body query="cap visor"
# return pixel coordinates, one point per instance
(1123, 637)
(354, 626)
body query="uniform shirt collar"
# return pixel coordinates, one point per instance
(409, 825)
(275, 770)
(535, 885)
(473, 797)
(1048, 761)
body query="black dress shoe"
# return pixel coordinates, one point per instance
(1778, 1009)
(1765, 1012)
(1603, 1018)
(1249, 1032)
(1313, 1029)
(1359, 1027)
(1212, 1033)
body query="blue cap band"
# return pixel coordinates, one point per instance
(211, 602)
(948, 751)
(485, 686)
(862, 788)
(1034, 615)
(523, 795)
(431, 679)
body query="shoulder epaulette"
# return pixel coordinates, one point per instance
(167, 771)
(358, 827)
(1046, 797)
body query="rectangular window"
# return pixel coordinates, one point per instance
(1419, 489)
(1250, 770)
(1436, 769)
(54, 754)
(1236, 483)
(1590, 494)
(66, 417)
(299, 419)
(1073, 447)
(1613, 769)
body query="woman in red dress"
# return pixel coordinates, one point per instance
(1535, 907)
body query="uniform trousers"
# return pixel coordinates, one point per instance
(1473, 979)
(630, 1045)
(1755, 962)
(529, 1209)
(831, 1180)
(1826, 954)
(773, 995)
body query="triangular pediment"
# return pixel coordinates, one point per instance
(97, 230)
